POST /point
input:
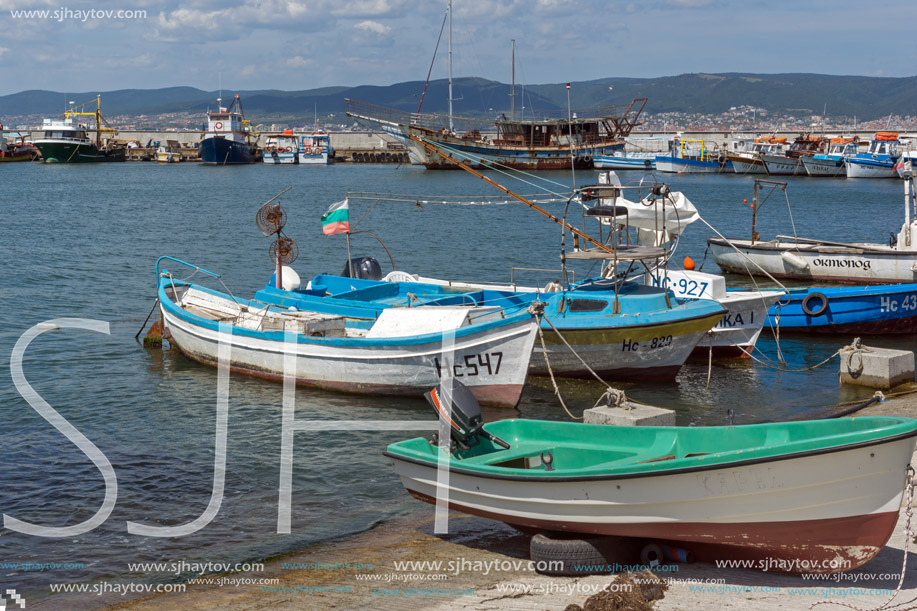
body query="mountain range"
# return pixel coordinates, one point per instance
(863, 97)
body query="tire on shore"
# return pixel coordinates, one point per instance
(570, 554)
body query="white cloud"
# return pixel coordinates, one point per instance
(372, 26)
(299, 62)
(3, 50)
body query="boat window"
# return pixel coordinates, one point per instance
(587, 305)
(881, 148)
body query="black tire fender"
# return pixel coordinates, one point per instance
(818, 310)
(579, 554)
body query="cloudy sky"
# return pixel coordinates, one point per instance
(303, 44)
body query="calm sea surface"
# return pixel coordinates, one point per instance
(82, 240)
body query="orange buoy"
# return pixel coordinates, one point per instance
(689, 263)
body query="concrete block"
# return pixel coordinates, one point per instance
(881, 368)
(640, 415)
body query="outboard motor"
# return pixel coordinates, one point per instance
(365, 268)
(465, 422)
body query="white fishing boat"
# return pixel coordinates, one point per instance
(834, 162)
(789, 163)
(281, 149)
(399, 351)
(169, 152)
(315, 149)
(749, 161)
(823, 260)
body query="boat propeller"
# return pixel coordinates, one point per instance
(466, 425)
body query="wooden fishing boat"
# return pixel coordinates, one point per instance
(640, 331)
(861, 310)
(814, 496)
(823, 260)
(397, 352)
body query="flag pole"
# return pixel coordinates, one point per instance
(349, 259)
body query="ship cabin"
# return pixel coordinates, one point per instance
(885, 143)
(55, 129)
(551, 132)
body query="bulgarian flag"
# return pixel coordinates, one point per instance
(337, 219)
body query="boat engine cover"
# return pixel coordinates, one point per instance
(465, 418)
(365, 268)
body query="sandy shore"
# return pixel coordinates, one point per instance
(474, 540)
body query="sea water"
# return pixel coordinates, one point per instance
(81, 241)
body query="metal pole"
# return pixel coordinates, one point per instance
(512, 108)
(451, 127)
(349, 259)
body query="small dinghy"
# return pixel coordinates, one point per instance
(812, 496)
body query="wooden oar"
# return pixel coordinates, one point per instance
(808, 241)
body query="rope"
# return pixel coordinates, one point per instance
(908, 535)
(769, 366)
(614, 396)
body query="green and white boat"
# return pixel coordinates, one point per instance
(812, 496)
(64, 141)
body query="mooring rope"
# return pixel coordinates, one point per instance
(615, 397)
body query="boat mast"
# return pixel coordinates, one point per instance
(450, 67)
(512, 95)
(98, 121)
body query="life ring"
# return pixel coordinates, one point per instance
(308, 150)
(289, 149)
(819, 310)
(317, 150)
(218, 125)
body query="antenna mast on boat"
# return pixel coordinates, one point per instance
(512, 95)
(450, 68)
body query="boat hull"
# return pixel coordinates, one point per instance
(77, 152)
(816, 263)
(393, 367)
(783, 166)
(480, 154)
(280, 158)
(869, 168)
(830, 168)
(654, 350)
(223, 151)
(814, 512)
(867, 310)
(617, 162)
(679, 165)
(745, 165)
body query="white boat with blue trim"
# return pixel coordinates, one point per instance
(880, 160)
(397, 351)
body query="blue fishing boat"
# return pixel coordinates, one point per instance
(879, 161)
(226, 139)
(635, 330)
(692, 157)
(860, 310)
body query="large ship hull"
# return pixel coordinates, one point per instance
(76, 152)
(222, 151)
(478, 153)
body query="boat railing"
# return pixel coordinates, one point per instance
(512, 273)
(191, 265)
